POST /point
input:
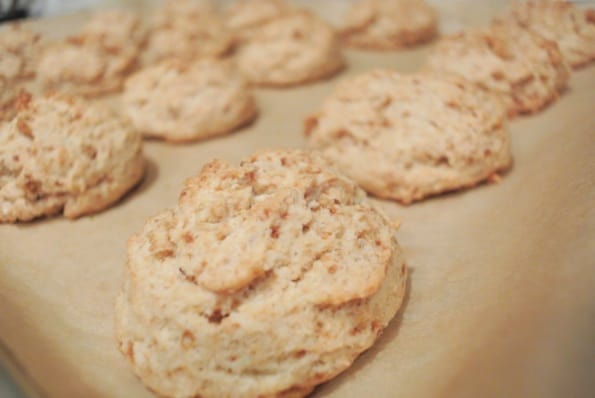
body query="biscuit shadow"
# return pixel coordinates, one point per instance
(368, 357)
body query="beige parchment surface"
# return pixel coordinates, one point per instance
(501, 298)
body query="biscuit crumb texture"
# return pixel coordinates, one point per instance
(19, 52)
(84, 66)
(244, 17)
(186, 30)
(59, 154)
(406, 137)
(572, 27)
(115, 28)
(181, 101)
(263, 281)
(525, 68)
(389, 25)
(293, 49)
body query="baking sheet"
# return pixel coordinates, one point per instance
(501, 298)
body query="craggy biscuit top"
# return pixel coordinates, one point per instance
(409, 136)
(58, 147)
(527, 69)
(389, 24)
(265, 279)
(569, 25)
(277, 212)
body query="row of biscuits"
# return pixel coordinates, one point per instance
(293, 275)
(270, 277)
(271, 43)
(182, 93)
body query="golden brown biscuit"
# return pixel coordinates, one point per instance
(263, 281)
(244, 17)
(290, 50)
(115, 28)
(406, 137)
(526, 69)
(187, 30)
(181, 101)
(571, 27)
(64, 155)
(389, 25)
(84, 66)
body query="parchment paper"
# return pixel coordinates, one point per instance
(501, 298)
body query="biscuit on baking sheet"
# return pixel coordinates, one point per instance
(389, 25)
(84, 66)
(115, 28)
(188, 37)
(185, 101)
(289, 50)
(245, 16)
(569, 25)
(64, 155)
(264, 280)
(525, 68)
(406, 137)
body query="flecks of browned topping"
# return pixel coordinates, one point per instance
(32, 188)
(22, 101)
(189, 278)
(332, 269)
(376, 326)
(217, 316)
(275, 231)
(357, 330)
(24, 128)
(90, 151)
(188, 339)
(163, 254)
(187, 237)
(299, 354)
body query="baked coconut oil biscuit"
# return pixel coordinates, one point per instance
(265, 279)
(64, 155)
(187, 31)
(569, 25)
(189, 40)
(407, 137)
(115, 28)
(389, 25)
(293, 49)
(244, 17)
(526, 69)
(180, 101)
(83, 66)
